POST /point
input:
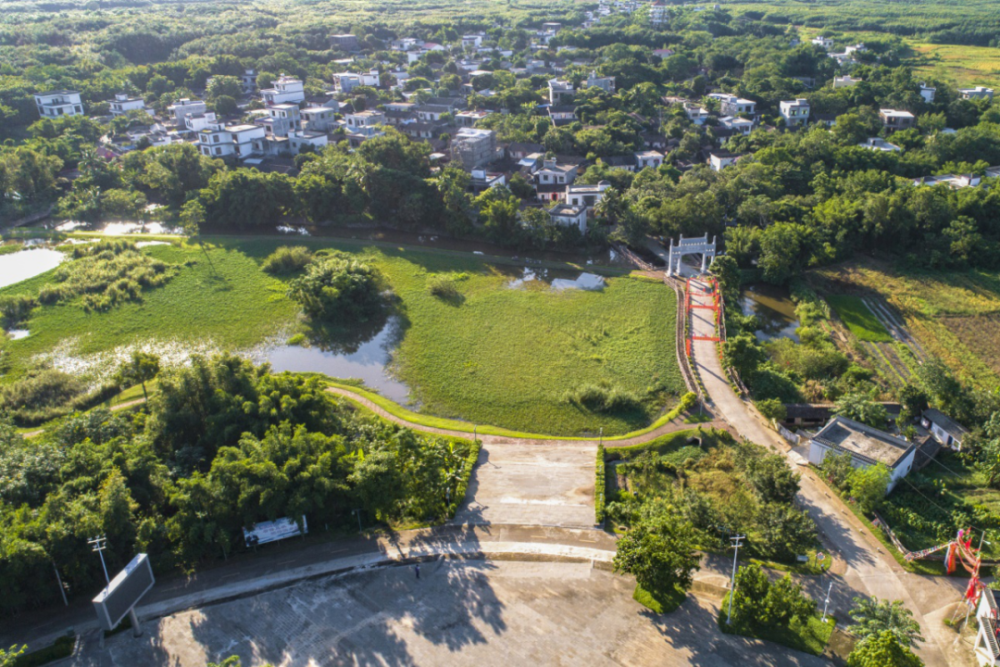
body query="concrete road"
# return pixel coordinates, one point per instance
(870, 570)
(474, 613)
(532, 484)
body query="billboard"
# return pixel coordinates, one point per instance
(124, 592)
(272, 531)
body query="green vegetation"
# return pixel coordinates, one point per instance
(219, 446)
(600, 486)
(286, 260)
(883, 650)
(339, 288)
(718, 486)
(61, 648)
(660, 602)
(776, 611)
(859, 318)
(503, 356)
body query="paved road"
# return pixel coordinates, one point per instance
(870, 571)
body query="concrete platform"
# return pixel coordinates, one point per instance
(479, 613)
(532, 484)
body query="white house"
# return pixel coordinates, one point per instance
(569, 216)
(927, 92)
(320, 118)
(651, 159)
(302, 138)
(184, 107)
(281, 119)
(731, 105)
(196, 122)
(987, 647)
(696, 113)
(559, 90)
(605, 83)
(719, 160)
(553, 173)
(59, 103)
(879, 144)
(586, 196)
(287, 90)
(345, 82)
(248, 80)
(743, 126)
(823, 42)
(472, 41)
(847, 81)
(122, 104)
(230, 141)
(364, 119)
(795, 112)
(943, 428)
(866, 445)
(977, 93)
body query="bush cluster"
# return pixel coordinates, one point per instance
(603, 398)
(286, 260)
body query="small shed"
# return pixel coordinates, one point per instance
(944, 429)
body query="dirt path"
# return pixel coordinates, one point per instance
(114, 408)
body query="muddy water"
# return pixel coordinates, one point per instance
(25, 264)
(774, 309)
(364, 354)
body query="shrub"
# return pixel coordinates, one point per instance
(443, 287)
(772, 408)
(287, 260)
(15, 309)
(340, 288)
(48, 394)
(600, 486)
(603, 398)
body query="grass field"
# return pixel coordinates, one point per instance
(952, 315)
(964, 66)
(494, 355)
(858, 318)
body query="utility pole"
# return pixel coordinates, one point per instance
(732, 587)
(826, 603)
(59, 579)
(358, 512)
(602, 436)
(99, 544)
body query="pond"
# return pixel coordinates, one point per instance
(364, 354)
(774, 309)
(555, 279)
(25, 264)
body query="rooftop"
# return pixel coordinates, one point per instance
(864, 442)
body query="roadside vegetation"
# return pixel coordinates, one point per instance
(221, 445)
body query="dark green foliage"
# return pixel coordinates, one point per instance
(15, 308)
(221, 445)
(339, 289)
(760, 604)
(602, 398)
(46, 394)
(659, 549)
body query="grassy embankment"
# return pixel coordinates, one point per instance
(507, 357)
(954, 315)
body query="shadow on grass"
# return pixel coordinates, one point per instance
(660, 602)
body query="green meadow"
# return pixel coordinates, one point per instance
(517, 358)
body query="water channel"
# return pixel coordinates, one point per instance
(24, 264)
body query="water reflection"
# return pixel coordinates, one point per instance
(18, 334)
(25, 264)
(556, 279)
(364, 353)
(774, 309)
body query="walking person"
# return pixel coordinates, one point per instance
(416, 568)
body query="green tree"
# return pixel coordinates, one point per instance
(659, 551)
(869, 484)
(339, 288)
(785, 251)
(727, 272)
(142, 367)
(498, 213)
(769, 475)
(860, 408)
(872, 617)
(837, 467)
(883, 650)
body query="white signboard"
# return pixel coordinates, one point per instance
(272, 531)
(124, 592)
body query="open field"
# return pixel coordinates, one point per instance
(958, 65)
(949, 314)
(858, 318)
(494, 355)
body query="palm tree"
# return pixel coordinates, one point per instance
(872, 616)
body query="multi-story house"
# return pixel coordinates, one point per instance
(196, 122)
(605, 83)
(927, 92)
(59, 103)
(893, 119)
(281, 120)
(320, 118)
(122, 104)
(795, 112)
(560, 92)
(185, 107)
(586, 196)
(287, 90)
(731, 105)
(345, 82)
(474, 147)
(249, 81)
(230, 141)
